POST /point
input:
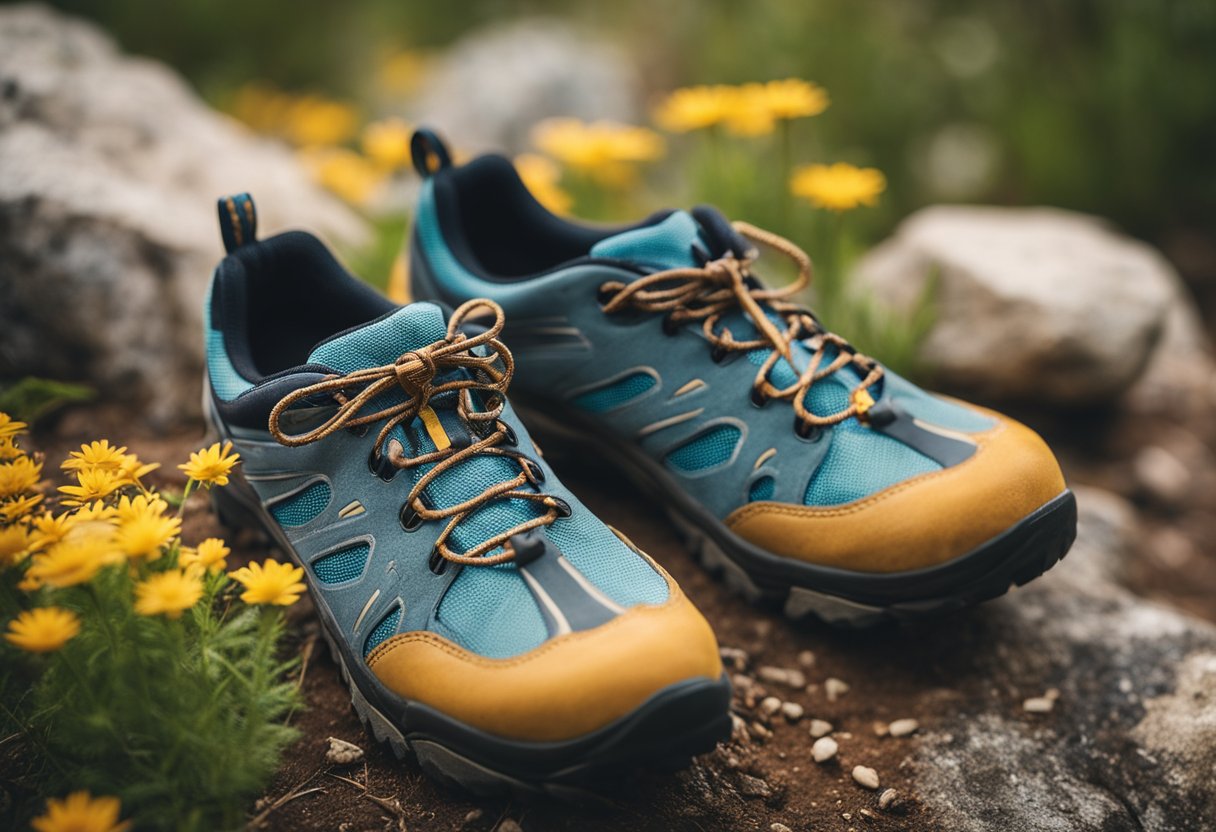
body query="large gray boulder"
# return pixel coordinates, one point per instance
(1043, 304)
(111, 167)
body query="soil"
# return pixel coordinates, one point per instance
(750, 785)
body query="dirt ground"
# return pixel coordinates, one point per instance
(751, 785)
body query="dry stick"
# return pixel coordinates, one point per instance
(391, 804)
(305, 656)
(296, 792)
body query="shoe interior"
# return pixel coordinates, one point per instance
(276, 299)
(496, 227)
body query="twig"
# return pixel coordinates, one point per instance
(297, 791)
(391, 804)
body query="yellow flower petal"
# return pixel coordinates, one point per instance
(838, 187)
(43, 629)
(270, 582)
(10, 427)
(210, 556)
(168, 593)
(81, 812)
(211, 465)
(19, 476)
(85, 551)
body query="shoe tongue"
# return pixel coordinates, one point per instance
(667, 244)
(382, 341)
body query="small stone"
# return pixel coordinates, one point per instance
(473, 817)
(835, 688)
(1162, 474)
(788, 676)
(343, 753)
(759, 731)
(508, 825)
(887, 798)
(733, 657)
(753, 786)
(820, 728)
(824, 749)
(1052, 693)
(865, 776)
(1038, 705)
(779, 827)
(903, 727)
(738, 729)
(792, 711)
(880, 729)
(806, 659)
(866, 813)
(770, 705)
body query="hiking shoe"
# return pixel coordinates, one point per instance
(804, 471)
(486, 621)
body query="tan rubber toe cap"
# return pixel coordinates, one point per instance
(569, 686)
(923, 521)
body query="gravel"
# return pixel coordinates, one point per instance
(820, 728)
(343, 753)
(792, 711)
(885, 799)
(865, 776)
(824, 749)
(835, 688)
(788, 676)
(903, 727)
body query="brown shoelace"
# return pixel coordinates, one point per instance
(415, 373)
(707, 292)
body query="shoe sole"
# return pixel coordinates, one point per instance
(665, 732)
(838, 597)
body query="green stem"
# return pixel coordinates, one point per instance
(181, 509)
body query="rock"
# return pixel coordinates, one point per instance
(790, 677)
(820, 728)
(760, 731)
(343, 753)
(753, 786)
(903, 727)
(835, 688)
(108, 233)
(1038, 705)
(887, 798)
(1074, 311)
(488, 89)
(734, 658)
(508, 825)
(1162, 475)
(865, 776)
(792, 711)
(779, 827)
(738, 729)
(770, 705)
(806, 659)
(824, 749)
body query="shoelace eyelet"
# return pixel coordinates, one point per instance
(758, 398)
(380, 467)
(563, 508)
(410, 519)
(437, 563)
(510, 438)
(538, 473)
(670, 326)
(807, 433)
(602, 295)
(718, 355)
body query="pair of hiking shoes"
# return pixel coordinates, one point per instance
(488, 622)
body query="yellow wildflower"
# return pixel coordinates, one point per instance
(838, 187)
(9, 449)
(15, 542)
(542, 177)
(346, 173)
(129, 508)
(15, 509)
(19, 476)
(387, 143)
(48, 529)
(208, 556)
(312, 121)
(603, 150)
(93, 484)
(168, 593)
(10, 427)
(270, 582)
(76, 558)
(144, 535)
(211, 465)
(794, 98)
(99, 454)
(694, 108)
(750, 114)
(81, 812)
(94, 512)
(43, 629)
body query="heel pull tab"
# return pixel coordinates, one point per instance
(238, 221)
(429, 153)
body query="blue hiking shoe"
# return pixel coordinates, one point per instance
(486, 621)
(804, 471)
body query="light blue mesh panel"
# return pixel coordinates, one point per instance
(762, 489)
(386, 628)
(409, 328)
(662, 246)
(612, 396)
(860, 461)
(303, 507)
(937, 411)
(225, 380)
(605, 561)
(489, 611)
(343, 565)
(713, 447)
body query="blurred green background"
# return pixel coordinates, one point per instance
(1105, 106)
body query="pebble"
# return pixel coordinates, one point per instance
(760, 732)
(508, 825)
(342, 752)
(903, 727)
(806, 659)
(881, 729)
(474, 816)
(824, 749)
(887, 798)
(820, 728)
(792, 711)
(1162, 474)
(788, 676)
(779, 827)
(754, 786)
(1039, 705)
(748, 689)
(865, 776)
(835, 688)
(770, 705)
(734, 657)
(738, 729)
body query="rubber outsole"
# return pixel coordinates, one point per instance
(838, 597)
(665, 732)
